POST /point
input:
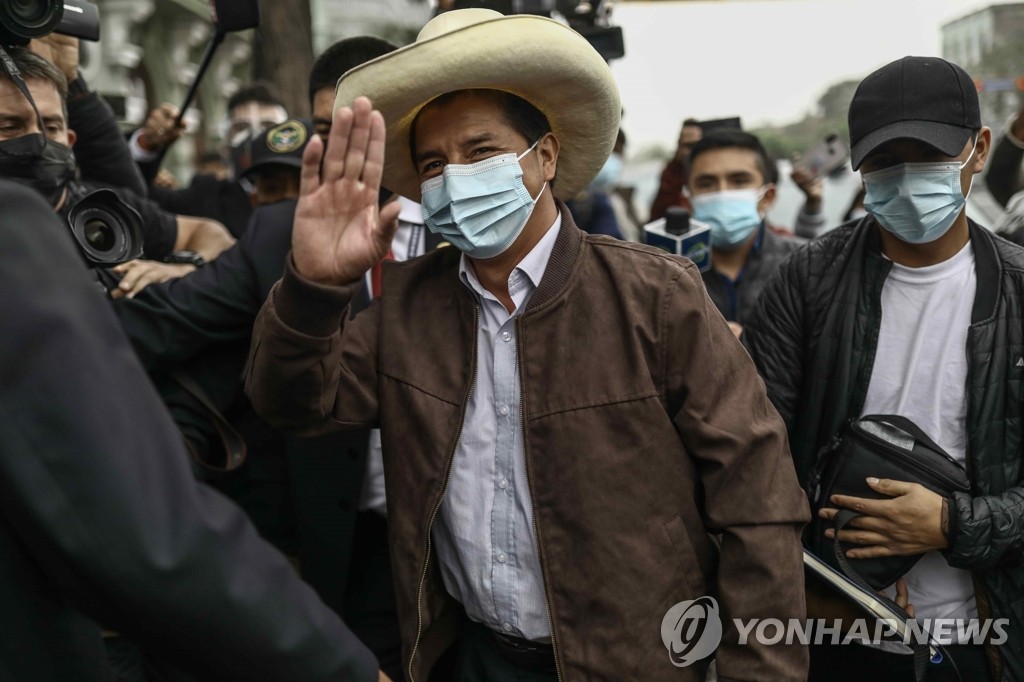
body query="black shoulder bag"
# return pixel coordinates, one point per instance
(884, 446)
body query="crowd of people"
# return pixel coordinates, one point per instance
(397, 391)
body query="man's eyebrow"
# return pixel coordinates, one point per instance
(478, 139)
(468, 142)
(55, 118)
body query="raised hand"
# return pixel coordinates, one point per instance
(339, 233)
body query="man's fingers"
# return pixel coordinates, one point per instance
(373, 168)
(890, 487)
(862, 505)
(309, 178)
(358, 139)
(858, 537)
(387, 221)
(132, 276)
(872, 552)
(337, 145)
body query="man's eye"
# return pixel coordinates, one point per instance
(479, 151)
(431, 168)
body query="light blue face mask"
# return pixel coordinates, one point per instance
(732, 215)
(480, 208)
(916, 202)
(609, 174)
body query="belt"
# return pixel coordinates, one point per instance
(537, 656)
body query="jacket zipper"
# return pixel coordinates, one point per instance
(912, 462)
(533, 508)
(437, 507)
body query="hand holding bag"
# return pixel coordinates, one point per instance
(883, 446)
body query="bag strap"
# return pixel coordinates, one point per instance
(235, 450)
(921, 657)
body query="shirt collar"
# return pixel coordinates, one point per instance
(527, 274)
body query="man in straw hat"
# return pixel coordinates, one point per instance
(574, 441)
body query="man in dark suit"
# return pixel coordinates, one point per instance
(99, 515)
(316, 498)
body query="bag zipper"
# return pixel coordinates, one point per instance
(914, 462)
(433, 514)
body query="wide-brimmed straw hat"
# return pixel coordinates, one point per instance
(541, 60)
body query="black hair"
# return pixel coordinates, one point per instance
(34, 67)
(738, 139)
(261, 92)
(344, 55)
(525, 119)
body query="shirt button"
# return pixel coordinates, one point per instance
(503, 410)
(503, 484)
(506, 337)
(507, 627)
(502, 558)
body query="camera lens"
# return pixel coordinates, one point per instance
(29, 11)
(99, 234)
(22, 20)
(108, 231)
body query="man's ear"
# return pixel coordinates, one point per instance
(547, 150)
(72, 138)
(767, 200)
(982, 149)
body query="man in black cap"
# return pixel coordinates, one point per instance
(914, 310)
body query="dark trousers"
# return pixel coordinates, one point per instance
(370, 610)
(856, 663)
(480, 658)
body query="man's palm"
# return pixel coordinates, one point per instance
(339, 232)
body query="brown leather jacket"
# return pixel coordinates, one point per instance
(649, 443)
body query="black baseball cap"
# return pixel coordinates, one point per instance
(921, 98)
(281, 144)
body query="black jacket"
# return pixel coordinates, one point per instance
(99, 515)
(736, 300)
(813, 339)
(201, 324)
(207, 197)
(102, 153)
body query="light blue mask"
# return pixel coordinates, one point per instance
(732, 215)
(916, 202)
(479, 208)
(609, 174)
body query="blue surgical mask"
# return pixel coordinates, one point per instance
(916, 202)
(732, 215)
(480, 208)
(609, 174)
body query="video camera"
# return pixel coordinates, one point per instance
(23, 20)
(589, 18)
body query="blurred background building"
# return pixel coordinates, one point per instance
(149, 52)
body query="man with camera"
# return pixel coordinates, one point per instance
(730, 189)
(320, 500)
(35, 150)
(100, 519)
(913, 311)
